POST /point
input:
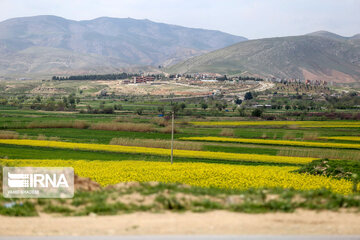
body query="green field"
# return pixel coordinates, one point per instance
(126, 128)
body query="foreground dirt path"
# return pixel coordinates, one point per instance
(218, 222)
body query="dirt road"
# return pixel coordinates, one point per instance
(212, 223)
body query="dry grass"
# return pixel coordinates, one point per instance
(41, 137)
(121, 119)
(167, 129)
(289, 136)
(59, 124)
(25, 136)
(183, 123)
(156, 143)
(311, 136)
(80, 124)
(129, 127)
(227, 132)
(264, 136)
(8, 135)
(320, 153)
(160, 122)
(54, 138)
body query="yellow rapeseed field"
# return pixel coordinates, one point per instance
(346, 138)
(160, 151)
(274, 142)
(196, 174)
(329, 124)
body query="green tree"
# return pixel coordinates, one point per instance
(238, 101)
(182, 106)
(38, 99)
(219, 106)
(248, 96)
(161, 109)
(242, 112)
(204, 106)
(257, 112)
(139, 111)
(175, 107)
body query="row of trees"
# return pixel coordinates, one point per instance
(242, 78)
(42, 103)
(96, 77)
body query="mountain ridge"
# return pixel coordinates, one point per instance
(324, 56)
(129, 41)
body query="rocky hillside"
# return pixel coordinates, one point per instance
(321, 55)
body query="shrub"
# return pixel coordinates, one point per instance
(257, 112)
(139, 111)
(108, 110)
(242, 112)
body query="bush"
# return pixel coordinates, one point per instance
(257, 112)
(242, 112)
(108, 110)
(139, 111)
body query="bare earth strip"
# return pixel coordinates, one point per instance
(212, 223)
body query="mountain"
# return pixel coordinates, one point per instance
(112, 43)
(327, 35)
(316, 56)
(357, 36)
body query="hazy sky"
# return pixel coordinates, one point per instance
(249, 18)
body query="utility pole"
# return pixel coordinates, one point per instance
(172, 137)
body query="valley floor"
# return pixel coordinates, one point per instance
(211, 223)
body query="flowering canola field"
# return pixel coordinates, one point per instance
(275, 142)
(160, 151)
(196, 174)
(323, 124)
(346, 138)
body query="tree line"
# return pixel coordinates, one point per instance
(96, 77)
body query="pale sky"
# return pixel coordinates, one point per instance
(248, 18)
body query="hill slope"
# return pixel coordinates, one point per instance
(321, 56)
(115, 42)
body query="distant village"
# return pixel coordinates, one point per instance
(198, 78)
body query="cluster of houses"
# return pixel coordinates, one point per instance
(139, 79)
(317, 82)
(307, 82)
